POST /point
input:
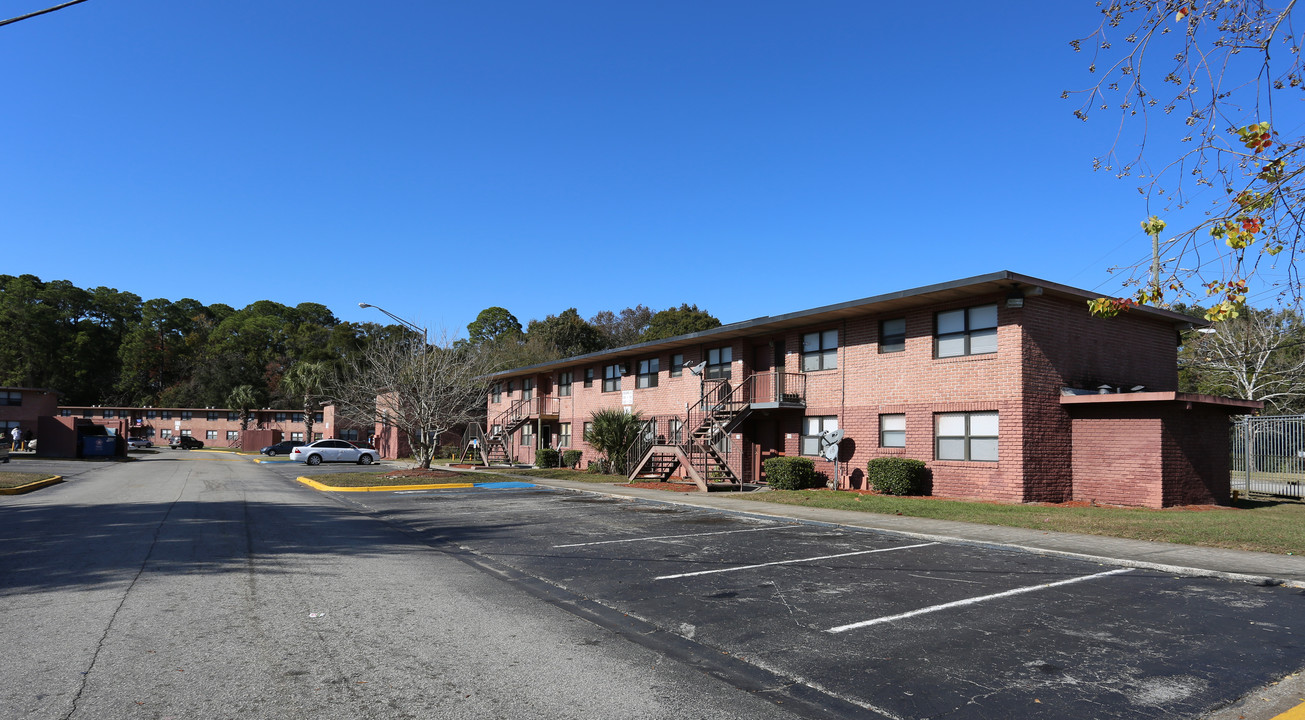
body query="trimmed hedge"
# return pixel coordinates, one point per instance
(897, 476)
(571, 458)
(546, 458)
(791, 473)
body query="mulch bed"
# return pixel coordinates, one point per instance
(669, 486)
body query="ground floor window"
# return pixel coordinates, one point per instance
(210, 434)
(350, 435)
(527, 435)
(675, 435)
(317, 436)
(233, 435)
(296, 437)
(812, 427)
(165, 434)
(185, 433)
(966, 436)
(564, 435)
(588, 430)
(892, 430)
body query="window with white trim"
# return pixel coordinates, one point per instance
(892, 430)
(210, 434)
(966, 436)
(527, 435)
(812, 428)
(564, 435)
(969, 331)
(233, 435)
(820, 351)
(564, 380)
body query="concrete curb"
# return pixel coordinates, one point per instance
(29, 487)
(379, 488)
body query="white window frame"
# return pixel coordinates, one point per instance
(966, 436)
(812, 427)
(892, 430)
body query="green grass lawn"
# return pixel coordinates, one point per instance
(1263, 525)
(18, 479)
(566, 474)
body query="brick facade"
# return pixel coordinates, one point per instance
(1045, 341)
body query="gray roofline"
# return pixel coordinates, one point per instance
(867, 303)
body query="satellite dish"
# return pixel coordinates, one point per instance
(696, 369)
(829, 444)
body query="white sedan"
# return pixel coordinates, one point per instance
(332, 451)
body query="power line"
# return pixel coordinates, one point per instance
(40, 12)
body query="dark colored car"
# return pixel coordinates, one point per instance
(282, 448)
(185, 442)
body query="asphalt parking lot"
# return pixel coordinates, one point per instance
(871, 624)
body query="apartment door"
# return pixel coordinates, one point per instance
(546, 436)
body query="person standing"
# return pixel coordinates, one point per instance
(17, 436)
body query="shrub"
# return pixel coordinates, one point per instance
(546, 458)
(791, 473)
(897, 476)
(448, 451)
(610, 433)
(598, 467)
(571, 458)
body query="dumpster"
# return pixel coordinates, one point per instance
(99, 445)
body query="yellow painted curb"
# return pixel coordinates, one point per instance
(32, 486)
(379, 488)
(1296, 713)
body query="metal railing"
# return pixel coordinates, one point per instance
(526, 408)
(1268, 455)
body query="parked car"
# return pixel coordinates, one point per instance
(332, 451)
(282, 448)
(185, 442)
(137, 443)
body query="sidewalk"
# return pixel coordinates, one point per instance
(1240, 565)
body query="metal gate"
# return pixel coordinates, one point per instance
(1268, 455)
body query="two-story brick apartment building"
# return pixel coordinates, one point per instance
(1003, 384)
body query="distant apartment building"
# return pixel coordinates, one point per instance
(1003, 384)
(217, 427)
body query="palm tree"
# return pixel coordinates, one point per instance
(243, 398)
(306, 380)
(611, 434)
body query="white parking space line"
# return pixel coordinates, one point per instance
(974, 600)
(789, 562)
(670, 537)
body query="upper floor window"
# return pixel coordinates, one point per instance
(233, 416)
(970, 331)
(65, 412)
(564, 384)
(966, 436)
(718, 362)
(151, 414)
(212, 415)
(11, 398)
(167, 415)
(892, 335)
(496, 392)
(611, 378)
(296, 417)
(318, 417)
(527, 388)
(677, 365)
(648, 370)
(589, 377)
(820, 351)
(280, 417)
(186, 414)
(509, 389)
(109, 413)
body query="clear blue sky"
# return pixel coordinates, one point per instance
(754, 157)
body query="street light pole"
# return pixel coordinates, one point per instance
(425, 337)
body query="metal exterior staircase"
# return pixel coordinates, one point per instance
(496, 447)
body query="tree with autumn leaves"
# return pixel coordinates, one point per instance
(1221, 81)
